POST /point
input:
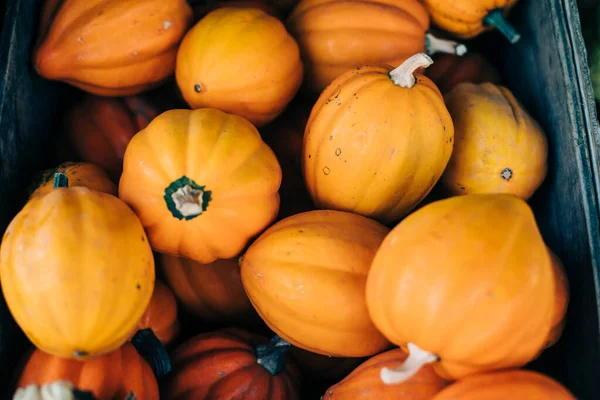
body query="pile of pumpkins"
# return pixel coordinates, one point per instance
(303, 170)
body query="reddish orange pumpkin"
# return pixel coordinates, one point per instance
(231, 364)
(449, 70)
(213, 292)
(365, 381)
(511, 384)
(161, 314)
(99, 129)
(108, 377)
(78, 174)
(111, 47)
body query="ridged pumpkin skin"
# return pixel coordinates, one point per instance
(383, 154)
(561, 300)
(307, 265)
(88, 269)
(211, 161)
(468, 279)
(112, 47)
(212, 292)
(449, 70)
(111, 376)
(498, 146)
(223, 365)
(79, 174)
(100, 128)
(338, 35)
(512, 384)
(465, 18)
(161, 314)
(365, 383)
(261, 74)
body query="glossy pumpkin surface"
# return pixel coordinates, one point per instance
(374, 148)
(498, 146)
(202, 182)
(338, 35)
(365, 383)
(111, 47)
(88, 270)
(108, 377)
(313, 263)
(212, 291)
(99, 129)
(78, 174)
(459, 267)
(512, 384)
(262, 72)
(224, 365)
(448, 70)
(161, 314)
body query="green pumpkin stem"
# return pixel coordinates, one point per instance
(496, 19)
(272, 355)
(186, 199)
(152, 350)
(60, 180)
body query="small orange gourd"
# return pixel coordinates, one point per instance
(111, 376)
(561, 299)
(469, 18)
(510, 384)
(232, 364)
(338, 35)
(111, 47)
(88, 269)
(78, 174)
(466, 284)
(448, 70)
(498, 146)
(212, 292)
(161, 314)
(262, 72)
(377, 141)
(305, 266)
(365, 382)
(202, 182)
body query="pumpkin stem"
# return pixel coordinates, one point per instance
(271, 355)
(152, 350)
(435, 45)
(403, 75)
(417, 358)
(186, 199)
(60, 180)
(496, 19)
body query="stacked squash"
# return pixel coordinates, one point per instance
(375, 219)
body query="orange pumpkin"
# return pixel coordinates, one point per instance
(111, 47)
(498, 146)
(210, 188)
(561, 299)
(454, 269)
(449, 70)
(161, 314)
(99, 129)
(383, 154)
(469, 18)
(88, 269)
(261, 74)
(365, 382)
(111, 376)
(313, 263)
(229, 364)
(201, 9)
(511, 384)
(212, 291)
(320, 368)
(78, 174)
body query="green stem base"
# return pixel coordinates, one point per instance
(60, 180)
(496, 19)
(152, 350)
(272, 355)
